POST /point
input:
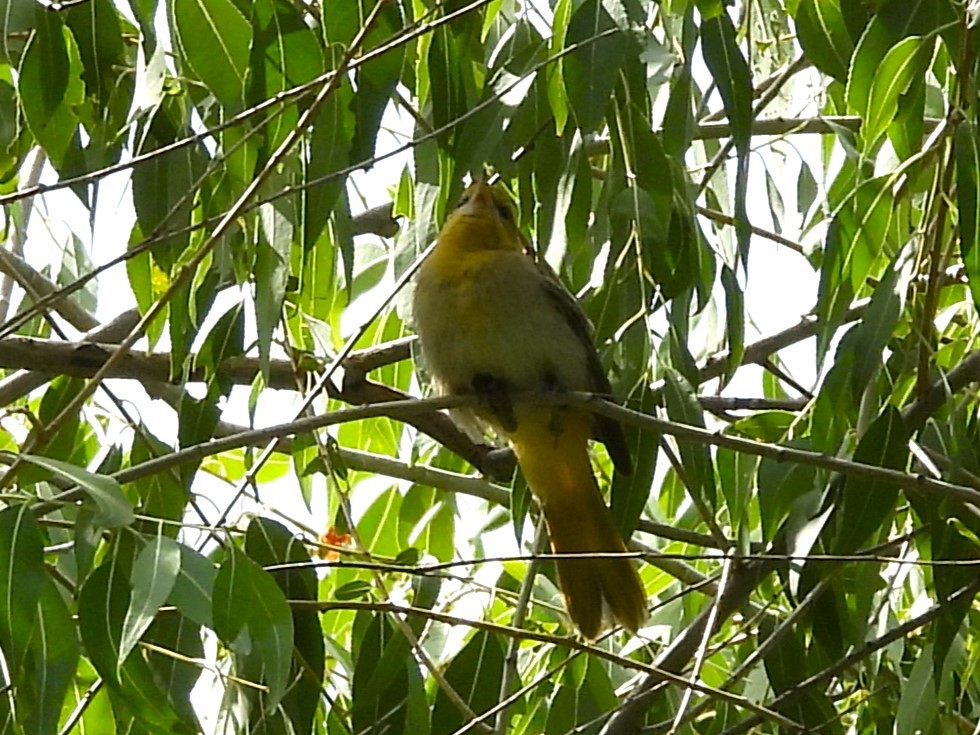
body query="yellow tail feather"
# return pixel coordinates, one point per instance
(552, 449)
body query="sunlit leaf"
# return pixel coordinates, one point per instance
(214, 36)
(114, 509)
(967, 151)
(866, 505)
(475, 674)
(154, 573)
(247, 599)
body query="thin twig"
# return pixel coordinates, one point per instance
(858, 654)
(709, 629)
(569, 643)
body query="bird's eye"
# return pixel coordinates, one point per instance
(463, 200)
(504, 211)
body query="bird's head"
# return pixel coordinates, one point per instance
(491, 210)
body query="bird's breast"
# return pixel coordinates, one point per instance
(491, 316)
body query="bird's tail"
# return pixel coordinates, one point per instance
(552, 449)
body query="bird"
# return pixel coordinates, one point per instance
(494, 322)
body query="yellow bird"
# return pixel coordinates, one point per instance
(493, 322)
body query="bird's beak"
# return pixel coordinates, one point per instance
(480, 199)
(482, 195)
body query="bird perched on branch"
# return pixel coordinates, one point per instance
(495, 323)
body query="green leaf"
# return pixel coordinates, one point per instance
(521, 500)
(330, 146)
(37, 636)
(629, 494)
(919, 703)
(787, 663)
(69, 443)
(907, 131)
(378, 527)
(896, 20)
(426, 519)
(856, 239)
(103, 604)
(56, 652)
(285, 53)
(736, 475)
(145, 13)
(734, 79)
(823, 34)
(355, 590)
(380, 686)
(268, 543)
(193, 588)
(22, 557)
(214, 38)
(585, 694)
(164, 187)
(893, 75)
(730, 72)
(966, 149)
(475, 673)
(836, 409)
(225, 341)
(678, 126)
(683, 407)
(189, 304)
(734, 320)
(806, 189)
(115, 510)
(197, 419)
(48, 85)
(875, 330)
(642, 152)
(99, 34)
(672, 251)
(174, 660)
(867, 505)
(376, 80)
(781, 485)
(17, 20)
(945, 542)
(163, 495)
(590, 71)
(871, 49)
(271, 277)
(13, 136)
(246, 598)
(154, 572)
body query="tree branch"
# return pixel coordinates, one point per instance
(896, 633)
(629, 718)
(968, 371)
(570, 643)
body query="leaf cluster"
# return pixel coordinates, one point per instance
(227, 510)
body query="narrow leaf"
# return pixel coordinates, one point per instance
(967, 152)
(214, 38)
(115, 510)
(193, 587)
(103, 603)
(866, 505)
(823, 34)
(590, 71)
(37, 636)
(894, 74)
(475, 674)
(154, 572)
(683, 407)
(246, 597)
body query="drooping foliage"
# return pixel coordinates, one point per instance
(226, 506)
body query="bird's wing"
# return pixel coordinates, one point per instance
(605, 429)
